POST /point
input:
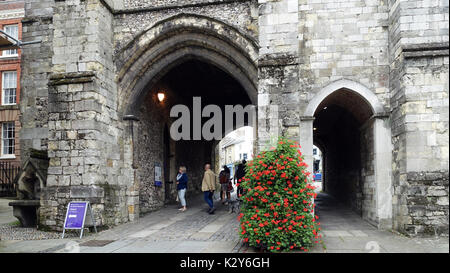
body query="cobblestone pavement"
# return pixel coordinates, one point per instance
(344, 231)
(15, 232)
(166, 230)
(10, 229)
(169, 230)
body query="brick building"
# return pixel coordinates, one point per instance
(11, 14)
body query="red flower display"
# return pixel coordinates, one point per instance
(286, 197)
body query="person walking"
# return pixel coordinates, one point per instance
(182, 180)
(240, 173)
(208, 187)
(224, 179)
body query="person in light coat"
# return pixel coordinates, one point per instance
(208, 187)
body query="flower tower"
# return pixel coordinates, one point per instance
(278, 208)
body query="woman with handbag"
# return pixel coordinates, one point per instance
(182, 180)
(224, 178)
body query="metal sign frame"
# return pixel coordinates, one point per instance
(87, 207)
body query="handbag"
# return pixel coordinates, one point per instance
(230, 187)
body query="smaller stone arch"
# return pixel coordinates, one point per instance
(365, 93)
(354, 98)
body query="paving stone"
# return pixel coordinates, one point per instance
(337, 233)
(190, 247)
(202, 236)
(287, 50)
(358, 233)
(184, 234)
(143, 233)
(220, 247)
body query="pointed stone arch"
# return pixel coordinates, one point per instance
(365, 93)
(149, 58)
(153, 52)
(380, 213)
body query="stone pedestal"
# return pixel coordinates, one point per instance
(26, 212)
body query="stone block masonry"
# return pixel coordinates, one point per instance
(278, 70)
(36, 65)
(419, 93)
(83, 142)
(78, 152)
(100, 58)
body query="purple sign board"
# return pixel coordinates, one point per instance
(76, 213)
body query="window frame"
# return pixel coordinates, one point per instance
(13, 139)
(3, 89)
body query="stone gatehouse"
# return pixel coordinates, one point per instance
(364, 80)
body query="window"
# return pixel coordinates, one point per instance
(8, 138)
(12, 30)
(9, 86)
(314, 151)
(245, 156)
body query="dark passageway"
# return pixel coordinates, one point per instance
(344, 138)
(191, 78)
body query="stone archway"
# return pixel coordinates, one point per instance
(157, 59)
(348, 112)
(366, 94)
(154, 52)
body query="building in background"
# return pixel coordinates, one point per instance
(317, 168)
(236, 146)
(11, 14)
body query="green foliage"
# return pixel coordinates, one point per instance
(16, 223)
(278, 201)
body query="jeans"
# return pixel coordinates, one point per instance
(181, 196)
(208, 195)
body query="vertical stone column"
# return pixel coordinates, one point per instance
(278, 96)
(86, 148)
(36, 65)
(383, 171)
(268, 125)
(130, 155)
(307, 141)
(419, 62)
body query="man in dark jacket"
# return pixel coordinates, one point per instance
(224, 179)
(240, 173)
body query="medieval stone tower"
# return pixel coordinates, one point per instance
(364, 80)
